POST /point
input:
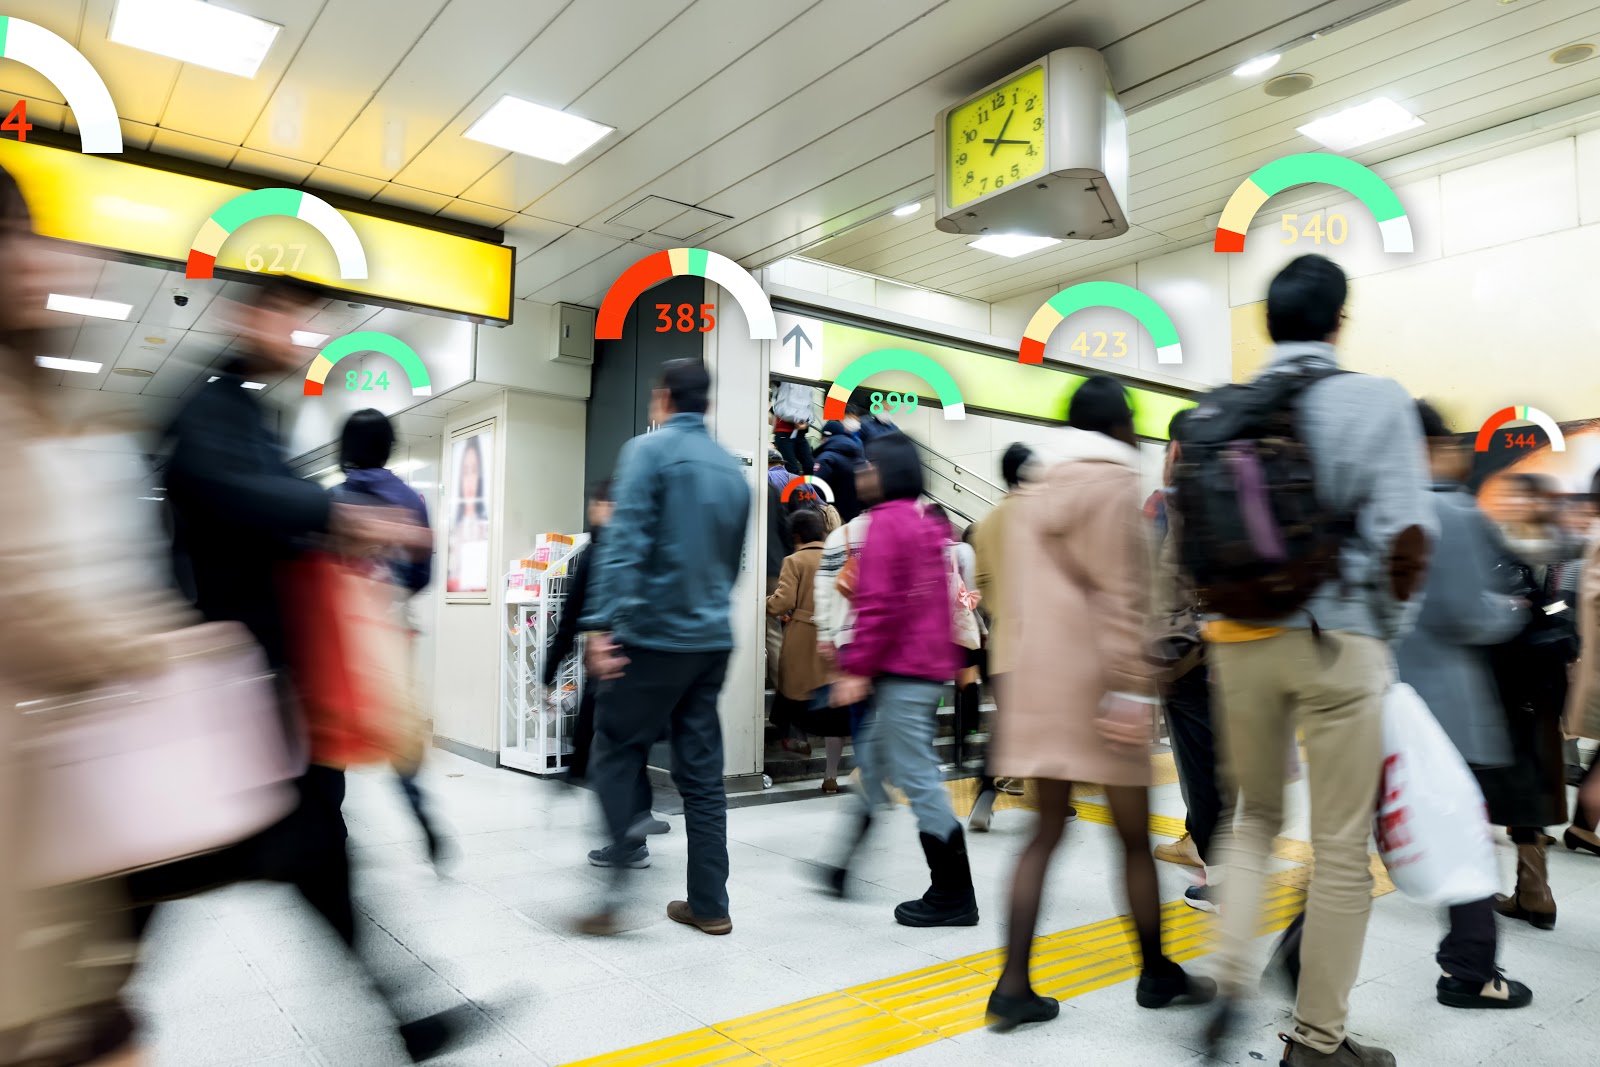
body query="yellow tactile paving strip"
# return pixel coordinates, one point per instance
(871, 1022)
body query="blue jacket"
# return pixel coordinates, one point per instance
(837, 459)
(665, 571)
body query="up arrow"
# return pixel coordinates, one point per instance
(798, 336)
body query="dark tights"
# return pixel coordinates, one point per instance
(1130, 813)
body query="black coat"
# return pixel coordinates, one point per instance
(838, 457)
(237, 510)
(566, 635)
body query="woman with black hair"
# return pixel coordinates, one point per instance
(1076, 706)
(903, 653)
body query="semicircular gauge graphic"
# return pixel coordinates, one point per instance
(802, 480)
(259, 203)
(1314, 168)
(1100, 294)
(1558, 441)
(675, 262)
(85, 91)
(886, 359)
(368, 341)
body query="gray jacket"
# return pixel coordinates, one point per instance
(1366, 442)
(666, 568)
(1444, 657)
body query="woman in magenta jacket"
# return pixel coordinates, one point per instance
(903, 655)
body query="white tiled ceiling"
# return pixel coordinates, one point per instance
(796, 119)
(1463, 66)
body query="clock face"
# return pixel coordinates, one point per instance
(996, 139)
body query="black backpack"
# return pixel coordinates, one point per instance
(1256, 538)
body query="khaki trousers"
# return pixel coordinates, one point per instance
(1333, 691)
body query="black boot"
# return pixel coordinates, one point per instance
(834, 878)
(949, 901)
(966, 722)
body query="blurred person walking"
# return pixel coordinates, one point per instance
(792, 413)
(803, 675)
(1445, 659)
(831, 607)
(961, 560)
(990, 570)
(1076, 704)
(1345, 501)
(233, 498)
(660, 636)
(64, 954)
(365, 446)
(1583, 704)
(901, 653)
(838, 457)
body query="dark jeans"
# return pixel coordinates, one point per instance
(1468, 949)
(659, 690)
(796, 451)
(1194, 749)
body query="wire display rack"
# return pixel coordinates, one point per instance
(537, 721)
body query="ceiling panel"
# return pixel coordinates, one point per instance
(572, 251)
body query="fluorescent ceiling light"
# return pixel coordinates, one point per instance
(307, 339)
(1362, 124)
(211, 379)
(195, 32)
(82, 305)
(254, 385)
(908, 209)
(531, 129)
(1012, 244)
(1258, 65)
(82, 366)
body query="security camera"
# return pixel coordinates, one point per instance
(180, 297)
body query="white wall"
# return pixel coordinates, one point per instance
(517, 356)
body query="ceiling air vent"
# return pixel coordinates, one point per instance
(665, 219)
(1288, 84)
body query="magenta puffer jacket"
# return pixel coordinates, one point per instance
(903, 599)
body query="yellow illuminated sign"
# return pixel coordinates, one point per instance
(145, 212)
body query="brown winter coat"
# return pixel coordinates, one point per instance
(1583, 702)
(1077, 575)
(800, 668)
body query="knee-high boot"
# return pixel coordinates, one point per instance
(1532, 899)
(949, 900)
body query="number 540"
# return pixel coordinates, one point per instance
(1315, 230)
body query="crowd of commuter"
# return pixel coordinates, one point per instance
(1314, 542)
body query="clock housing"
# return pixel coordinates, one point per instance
(1064, 175)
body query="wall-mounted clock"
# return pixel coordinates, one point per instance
(1042, 151)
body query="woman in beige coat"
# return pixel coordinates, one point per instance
(1076, 705)
(1583, 701)
(801, 668)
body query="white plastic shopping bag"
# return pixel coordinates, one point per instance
(1432, 826)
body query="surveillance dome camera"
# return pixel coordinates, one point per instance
(180, 297)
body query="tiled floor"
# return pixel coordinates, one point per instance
(245, 976)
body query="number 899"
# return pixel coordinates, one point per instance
(893, 403)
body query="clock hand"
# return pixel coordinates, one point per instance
(1001, 141)
(995, 141)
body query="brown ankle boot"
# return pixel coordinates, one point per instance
(1532, 899)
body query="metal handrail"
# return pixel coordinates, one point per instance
(959, 469)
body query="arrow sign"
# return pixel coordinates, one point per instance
(798, 336)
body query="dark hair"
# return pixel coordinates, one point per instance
(1306, 300)
(1594, 486)
(1433, 424)
(1537, 484)
(285, 290)
(1179, 420)
(688, 383)
(1016, 457)
(601, 490)
(852, 407)
(1100, 406)
(807, 524)
(899, 467)
(367, 440)
(935, 510)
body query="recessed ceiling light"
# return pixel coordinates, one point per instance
(133, 372)
(908, 209)
(254, 385)
(531, 129)
(195, 32)
(1572, 53)
(1011, 244)
(154, 340)
(81, 366)
(213, 378)
(1362, 124)
(82, 305)
(1258, 65)
(307, 339)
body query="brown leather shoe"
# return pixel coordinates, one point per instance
(830, 786)
(678, 911)
(1532, 899)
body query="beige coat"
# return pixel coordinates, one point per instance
(1076, 585)
(800, 667)
(989, 548)
(1583, 702)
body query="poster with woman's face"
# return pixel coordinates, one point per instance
(468, 536)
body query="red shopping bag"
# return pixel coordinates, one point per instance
(348, 651)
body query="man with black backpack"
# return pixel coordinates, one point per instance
(1306, 530)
